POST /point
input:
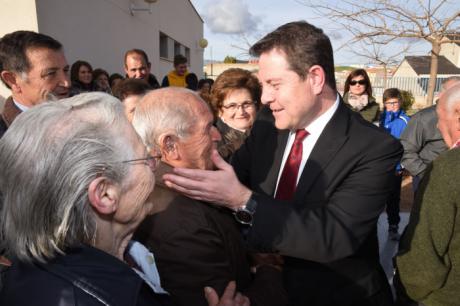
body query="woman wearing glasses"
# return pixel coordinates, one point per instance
(358, 95)
(235, 97)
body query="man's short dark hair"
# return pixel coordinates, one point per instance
(138, 52)
(304, 45)
(13, 48)
(129, 87)
(179, 59)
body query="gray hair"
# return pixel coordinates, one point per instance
(48, 157)
(165, 110)
(450, 98)
(448, 82)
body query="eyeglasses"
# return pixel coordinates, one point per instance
(152, 161)
(391, 103)
(233, 107)
(360, 82)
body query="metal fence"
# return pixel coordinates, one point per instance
(418, 86)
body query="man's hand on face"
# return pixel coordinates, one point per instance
(220, 187)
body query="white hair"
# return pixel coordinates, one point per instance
(48, 157)
(165, 110)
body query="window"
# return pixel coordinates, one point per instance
(176, 48)
(163, 45)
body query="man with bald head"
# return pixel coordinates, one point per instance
(195, 244)
(429, 257)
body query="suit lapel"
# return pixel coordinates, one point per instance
(325, 150)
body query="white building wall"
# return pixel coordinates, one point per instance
(452, 52)
(184, 26)
(100, 31)
(404, 70)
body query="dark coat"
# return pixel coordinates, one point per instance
(84, 276)
(10, 112)
(197, 245)
(231, 139)
(328, 231)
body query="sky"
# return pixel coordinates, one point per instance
(230, 26)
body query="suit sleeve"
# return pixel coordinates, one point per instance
(424, 262)
(412, 141)
(325, 227)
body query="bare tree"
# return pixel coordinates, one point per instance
(434, 21)
(379, 54)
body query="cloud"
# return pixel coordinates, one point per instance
(230, 17)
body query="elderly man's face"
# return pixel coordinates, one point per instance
(196, 149)
(136, 67)
(49, 74)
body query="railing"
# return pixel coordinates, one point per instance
(417, 85)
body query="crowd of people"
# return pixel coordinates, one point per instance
(253, 189)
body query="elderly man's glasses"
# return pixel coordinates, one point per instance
(360, 82)
(233, 107)
(151, 161)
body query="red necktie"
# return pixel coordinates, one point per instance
(288, 180)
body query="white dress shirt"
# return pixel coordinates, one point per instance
(314, 129)
(23, 108)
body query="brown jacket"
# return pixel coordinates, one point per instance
(10, 112)
(197, 245)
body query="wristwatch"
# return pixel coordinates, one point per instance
(244, 215)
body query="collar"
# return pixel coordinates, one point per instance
(22, 107)
(97, 273)
(318, 125)
(456, 144)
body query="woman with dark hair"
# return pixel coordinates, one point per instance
(101, 81)
(235, 98)
(81, 76)
(114, 79)
(358, 95)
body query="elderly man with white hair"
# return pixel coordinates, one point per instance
(195, 244)
(429, 257)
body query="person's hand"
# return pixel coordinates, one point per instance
(228, 298)
(220, 186)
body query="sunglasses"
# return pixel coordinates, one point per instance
(360, 82)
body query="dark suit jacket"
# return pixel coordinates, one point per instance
(197, 245)
(327, 233)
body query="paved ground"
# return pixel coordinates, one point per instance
(388, 248)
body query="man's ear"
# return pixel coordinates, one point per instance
(149, 65)
(317, 78)
(169, 147)
(103, 195)
(11, 79)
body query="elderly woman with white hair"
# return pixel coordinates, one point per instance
(75, 183)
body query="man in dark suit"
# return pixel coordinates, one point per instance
(311, 179)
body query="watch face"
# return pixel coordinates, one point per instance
(243, 217)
